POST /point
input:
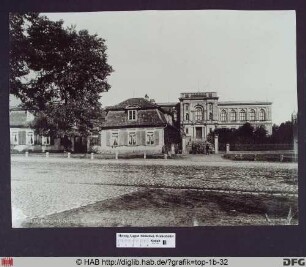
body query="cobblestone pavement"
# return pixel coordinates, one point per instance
(42, 186)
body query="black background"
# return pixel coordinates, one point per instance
(199, 241)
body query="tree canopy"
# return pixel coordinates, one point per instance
(58, 73)
(247, 134)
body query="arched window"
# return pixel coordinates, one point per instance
(198, 114)
(223, 115)
(252, 115)
(233, 115)
(242, 115)
(262, 115)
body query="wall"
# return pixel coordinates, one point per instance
(24, 139)
(140, 146)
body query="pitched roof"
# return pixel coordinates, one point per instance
(133, 102)
(169, 107)
(168, 104)
(145, 117)
(18, 118)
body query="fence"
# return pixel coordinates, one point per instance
(257, 147)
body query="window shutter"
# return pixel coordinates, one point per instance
(156, 137)
(123, 138)
(99, 139)
(138, 138)
(143, 138)
(107, 138)
(38, 139)
(22, 137)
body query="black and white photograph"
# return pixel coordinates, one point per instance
(181, 118)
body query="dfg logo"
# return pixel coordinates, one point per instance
(293, 262)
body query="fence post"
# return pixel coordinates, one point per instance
(116, 154)
(144, 155)
(165, 156)
(227, 148)
(216, 144)
(69, 155)
(92, 155)
(255, 157)
(27, 154)
(172, 149)
(281, 158)
(47, 154)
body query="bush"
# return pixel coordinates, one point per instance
(260, 147)
(199, 147)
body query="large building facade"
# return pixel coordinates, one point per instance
(141, 125)
(202, 112)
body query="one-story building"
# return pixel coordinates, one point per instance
(139, 125)
(23, 136)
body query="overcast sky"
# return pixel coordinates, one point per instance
(242, 55)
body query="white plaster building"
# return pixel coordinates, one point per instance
(202, 112)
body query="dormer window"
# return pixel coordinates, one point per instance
(132, 115)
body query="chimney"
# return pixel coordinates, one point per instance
(147, 97)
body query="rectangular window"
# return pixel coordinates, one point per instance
(114, 139)
(150, 138)
(132, 115)
(14, 140)
(45, 140)
(211, 116)
(30, 138)
(186, 130)
(132, 139)
(187, 116)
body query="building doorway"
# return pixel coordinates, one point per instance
(198, 132)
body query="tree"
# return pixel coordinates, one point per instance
(245, 134)
(18, 50)
(260, 135)
(224, 135)
(60, 74)
(282, 134)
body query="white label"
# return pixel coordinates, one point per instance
(145, 240)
